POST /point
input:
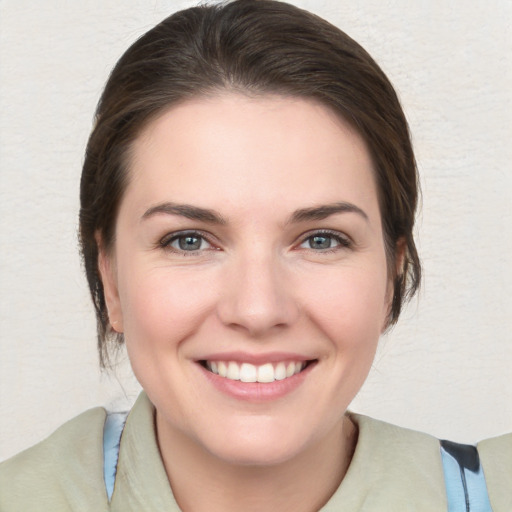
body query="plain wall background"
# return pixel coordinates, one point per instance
(444, 369)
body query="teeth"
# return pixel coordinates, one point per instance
(280, 372)
(223, 369)
(266, 373)
(247, 372)
(233, 371)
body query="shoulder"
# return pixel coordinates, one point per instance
(63, 472)
(402, 467)
(409, 447)
(393, 468)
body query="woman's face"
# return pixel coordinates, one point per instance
(249, 273)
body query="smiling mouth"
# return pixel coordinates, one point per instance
(265, 373)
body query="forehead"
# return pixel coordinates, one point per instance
(230, 148)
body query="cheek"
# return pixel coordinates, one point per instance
(163, 307)
(351, 309)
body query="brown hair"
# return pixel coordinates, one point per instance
(254, 47)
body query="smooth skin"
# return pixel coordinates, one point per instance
(250, 229)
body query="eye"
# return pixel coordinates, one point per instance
(322, 241)
(186, 242)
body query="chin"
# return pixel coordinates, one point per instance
(258, 454)
(260, 445)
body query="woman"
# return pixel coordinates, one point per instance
(247, 207)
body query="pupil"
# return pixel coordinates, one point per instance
(189, 243)
(321, 242)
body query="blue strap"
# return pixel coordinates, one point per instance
(464, 477)
(112, 431)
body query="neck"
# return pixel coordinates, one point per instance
(302, 484)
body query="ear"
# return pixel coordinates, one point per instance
(107, 269)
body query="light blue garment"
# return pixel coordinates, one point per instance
(112, 431)
(466, 489)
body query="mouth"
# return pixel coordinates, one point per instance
(263, 373)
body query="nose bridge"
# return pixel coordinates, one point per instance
(258, 296)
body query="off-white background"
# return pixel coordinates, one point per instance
(445, 369)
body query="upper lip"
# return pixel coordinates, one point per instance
(256, 359)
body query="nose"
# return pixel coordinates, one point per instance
(258, 297)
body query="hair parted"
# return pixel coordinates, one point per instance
(253, 47)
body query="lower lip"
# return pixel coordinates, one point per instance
(257, 391)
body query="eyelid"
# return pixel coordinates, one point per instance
(165, 241)
(344, 240)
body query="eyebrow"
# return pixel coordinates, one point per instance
(188, 211)
(212, 217)
(323, 211)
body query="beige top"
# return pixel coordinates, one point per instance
(393, 469)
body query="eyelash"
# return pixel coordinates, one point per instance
(343, 242)
(166, 241)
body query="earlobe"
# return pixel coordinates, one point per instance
(106, 267)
